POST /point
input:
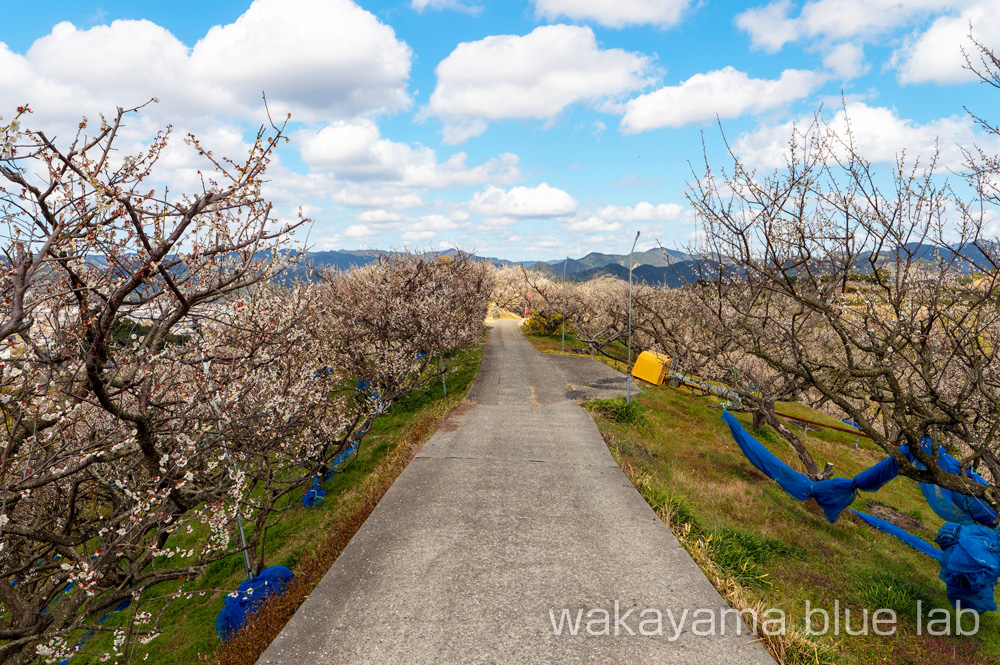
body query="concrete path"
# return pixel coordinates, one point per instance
(511, 513)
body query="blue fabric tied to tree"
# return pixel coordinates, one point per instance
(313, 498)
(969, 553)
(969, 558)
(832, 495)
(947, 504)
(249, 596)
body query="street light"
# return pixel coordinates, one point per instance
(628, 369)
(564, 306)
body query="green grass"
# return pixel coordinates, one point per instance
(618, 410)
(189, 623)
(575, 347)
(784, 551)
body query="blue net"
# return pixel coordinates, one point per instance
(832, 495)
(969, 553)
(970, 564)
(248, 597)
(969, 558)
(949, 505)
(916, 543)
(313, 498)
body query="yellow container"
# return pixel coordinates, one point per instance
(652, 366)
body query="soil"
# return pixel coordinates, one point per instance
(899, 519)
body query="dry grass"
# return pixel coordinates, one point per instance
(789, 646)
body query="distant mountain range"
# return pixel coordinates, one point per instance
(677, 274)
(345, 259)
(654, 266)
(654, 257)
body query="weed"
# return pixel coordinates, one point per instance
(740, 553)
(889, 590)
(618, 410)
(789, 647)
(730, 563)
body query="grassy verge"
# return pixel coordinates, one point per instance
(306, 541)
(574, 347)
(763, 549)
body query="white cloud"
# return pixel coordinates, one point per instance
(533, 77)
(611, 218)
(410, 229)
(772, 26)
(379, 216)
(769, 26)
(641, 212)
(457, 5)
(71, 68)
(879, 135)
(618, 14)
(418, 236)
(726, 93)
(374, 196)
(592, 224)
(544, 243)
(314, 58)
(327, 242)
(540, 201)
(935, 56)
(355, 149)
(847, 60)
(435, 222)
(498, 222)
(359, 231)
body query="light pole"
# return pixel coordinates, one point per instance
(564, 306)
(628, 369)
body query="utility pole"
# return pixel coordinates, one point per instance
(564, 306)
(628, 369)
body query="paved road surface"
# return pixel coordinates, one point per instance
(511, 512)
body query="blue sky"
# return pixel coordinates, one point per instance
(528, 130)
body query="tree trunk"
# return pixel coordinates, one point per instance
(803, 453)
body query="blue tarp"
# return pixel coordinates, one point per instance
(249, 595)
(969, 553)
(313, 498)
(949, 505)
(969, 558)
(916, 543)
(832, 495)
